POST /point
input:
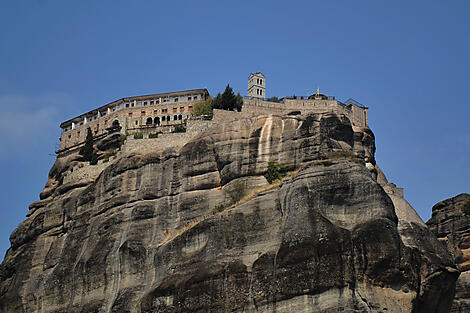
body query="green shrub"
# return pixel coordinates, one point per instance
(218, 208)
(109, 153)
(180, 128)
(122, 140)
(275, 171)
(139, 135)
(237, 191)
(466, 208)
(153, 135)
(274, 99)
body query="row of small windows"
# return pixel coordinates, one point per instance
(157, 101)
(156, 120)
(130, 114)
(149, 121)
(165, 110)
(131, 105)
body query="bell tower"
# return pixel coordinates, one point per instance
(257, 85)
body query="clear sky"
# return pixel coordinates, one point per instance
(408, 61)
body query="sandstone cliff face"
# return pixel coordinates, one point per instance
(198, 229)
(451, 224)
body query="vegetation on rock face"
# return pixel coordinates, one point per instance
(275, 171)
(109, 153)
(88, 152)
(153, 135)
(138, 135)
(274, 99)
(466, 208)
(180, 128)
(122, 140)
(237, 191)
(202, 108)
(228, 100)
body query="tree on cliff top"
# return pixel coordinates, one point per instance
(202, 108)
(228, 100)
(87, 151)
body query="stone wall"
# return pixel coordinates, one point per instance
(85, 172)
(357, 115)
(166, 140)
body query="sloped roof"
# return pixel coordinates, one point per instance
(257, 73)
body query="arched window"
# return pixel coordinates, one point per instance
(163, 118)
(115, 123)
(149, 121)
(168, 118)
(175, 117)
(156, 120)
(180, 117)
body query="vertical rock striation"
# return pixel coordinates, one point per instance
(450, 222)
(199, 229)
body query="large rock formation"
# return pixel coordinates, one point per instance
(199, 229)
(450, 222)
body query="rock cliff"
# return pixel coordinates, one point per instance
(450, 222)
(197, 228)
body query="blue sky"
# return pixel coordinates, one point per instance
(408, 61)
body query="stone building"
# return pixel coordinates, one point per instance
(257, 85)
(160, 111)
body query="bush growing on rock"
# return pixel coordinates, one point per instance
(275, 171)
(466, 208)
(237, 191)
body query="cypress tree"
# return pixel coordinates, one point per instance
(87, 151)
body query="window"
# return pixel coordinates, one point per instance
(195, 97)
(181, 109)
(190, 107)
(180, 117)
(155, 111)
(152, 102)
(189, 98)
(136, 122)
(175, 117)
(163, 118)
(132, 104)
(78, 134)
(142, 113)
(145, 102)
(175, 110)
(261, 81)
(130, 114)
(176, 99)
(149, 121)
(156, 120)
(157, 101)
(127, 105)
(70, 136)
(165, 100)
(164, 110)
